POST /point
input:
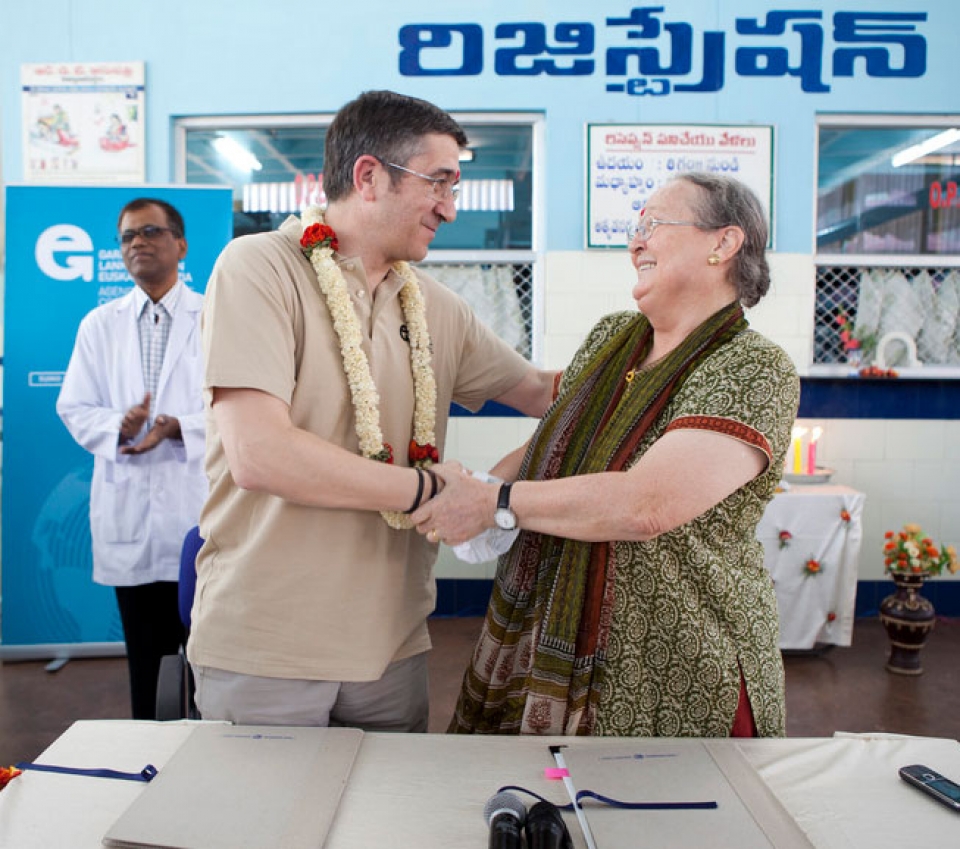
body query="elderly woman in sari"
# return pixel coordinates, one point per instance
(635, 600)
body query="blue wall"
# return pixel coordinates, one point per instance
(243, 57)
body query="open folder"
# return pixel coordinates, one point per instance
(242, 787)
(656, 770)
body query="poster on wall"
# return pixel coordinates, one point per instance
(62, 261)
(83, 122)
(626, 163)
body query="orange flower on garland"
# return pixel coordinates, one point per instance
(318, 236)
(845, 516)
(418, 453)
(812, 567)
(384, 455)
(784, 538)
(7, 774)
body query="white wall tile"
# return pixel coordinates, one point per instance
(951, 440)
(570, 313)
(850, 439)
(910, 439)
(883, 478)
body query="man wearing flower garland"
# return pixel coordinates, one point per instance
(331, 365)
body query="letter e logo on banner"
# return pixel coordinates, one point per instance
(63, 238)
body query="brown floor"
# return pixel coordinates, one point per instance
(840, 689)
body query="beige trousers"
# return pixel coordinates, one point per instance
(397, 701)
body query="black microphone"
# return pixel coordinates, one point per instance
(546, 828)
(505, 814)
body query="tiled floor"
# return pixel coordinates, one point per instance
(841, 689)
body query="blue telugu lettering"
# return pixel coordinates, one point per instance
(880, 44)
(578, 39)
(774, 61)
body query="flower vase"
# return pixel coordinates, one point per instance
(907, 617)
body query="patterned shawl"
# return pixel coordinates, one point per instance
(538, 666)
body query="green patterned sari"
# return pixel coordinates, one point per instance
(539, 665)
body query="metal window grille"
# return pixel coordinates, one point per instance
(912, 312)
(501, 293)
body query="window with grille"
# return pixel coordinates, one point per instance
(912, 310)
(888, 240)
(500, 293)
(490, 255)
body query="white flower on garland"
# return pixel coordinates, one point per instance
(318, 242)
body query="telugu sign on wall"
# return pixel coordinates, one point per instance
(83, 122)
(626, 163)
(650, 52)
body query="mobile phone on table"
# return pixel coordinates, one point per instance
(945, 791)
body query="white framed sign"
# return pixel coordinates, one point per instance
(626, 163)
(83, 122)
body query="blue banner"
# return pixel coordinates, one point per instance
(62, 261)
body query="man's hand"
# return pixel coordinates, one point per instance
(461, 511)
(164, 427)
(135, 419)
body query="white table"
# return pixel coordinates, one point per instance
(825, 524)
(428, 791)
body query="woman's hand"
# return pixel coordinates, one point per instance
(462, 510)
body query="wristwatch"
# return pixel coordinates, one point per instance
(505, 518)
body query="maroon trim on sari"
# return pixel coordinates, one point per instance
(727, 427)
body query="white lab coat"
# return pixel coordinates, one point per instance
(141, 506)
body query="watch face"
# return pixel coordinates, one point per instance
(505, 518)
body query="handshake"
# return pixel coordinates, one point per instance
(489, 544)
(543, 824)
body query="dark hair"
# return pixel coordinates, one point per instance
(386, 125)
(722, 202)
(174, 218)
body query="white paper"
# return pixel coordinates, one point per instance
(489, 544)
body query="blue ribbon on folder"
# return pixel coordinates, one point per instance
(148, 773)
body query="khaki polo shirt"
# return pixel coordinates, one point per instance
(289, 591)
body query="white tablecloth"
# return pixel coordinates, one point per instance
(825, 525)
(428, 791)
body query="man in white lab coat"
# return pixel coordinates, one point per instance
(132, 396)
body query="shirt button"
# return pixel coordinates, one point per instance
(348, 266)
(359, 293)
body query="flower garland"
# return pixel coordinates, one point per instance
(318, 243)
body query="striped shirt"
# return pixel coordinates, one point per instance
(154, 328)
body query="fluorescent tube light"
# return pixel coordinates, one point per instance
(933, 143)
(236, 154)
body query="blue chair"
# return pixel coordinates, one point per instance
(175, 685)
(192, 543)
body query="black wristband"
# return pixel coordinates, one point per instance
(434, 485)
(416, 501)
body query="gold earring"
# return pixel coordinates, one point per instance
(713, 259)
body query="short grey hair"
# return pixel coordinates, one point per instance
(723, 202)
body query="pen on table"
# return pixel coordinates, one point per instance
(572, 793)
